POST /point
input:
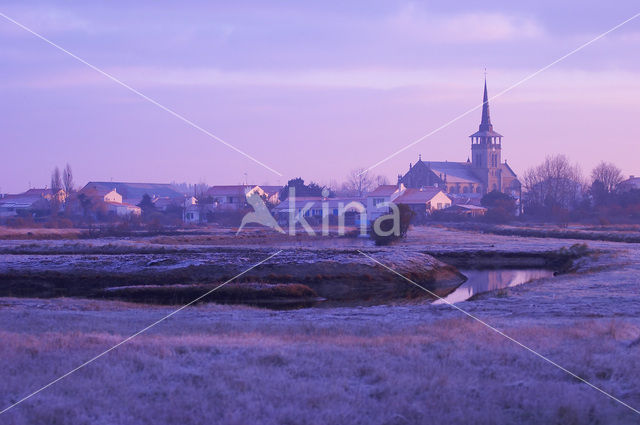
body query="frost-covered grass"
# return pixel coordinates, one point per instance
(373, 365)
(216, 364)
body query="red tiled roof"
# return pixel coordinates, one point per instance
(384, 190)
(417, 196)
(95, 192)
(271, 189)
(234, 190)
(124, 204)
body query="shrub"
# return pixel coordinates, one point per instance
(406, 215)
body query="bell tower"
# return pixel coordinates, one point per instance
(486, 150)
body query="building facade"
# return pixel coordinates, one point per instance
(483, 172)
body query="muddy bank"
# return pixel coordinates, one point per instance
(561, 260)
(331, 273)
(609, 234)
(258, 294)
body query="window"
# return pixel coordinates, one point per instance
(439, 205)
(377, 201)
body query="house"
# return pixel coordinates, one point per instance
(59, 195)
(272, 193)
(380, 196)
(315, 207)
(29, 202)
(166, 203)
(467, 210)
(465, 199)
(101, 199)
(123, 209)
(424, 200)
(132, 193)
(191, 212)
(482, 173)
(631, 183)
(232, 198)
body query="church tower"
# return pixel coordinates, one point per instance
(486, 150)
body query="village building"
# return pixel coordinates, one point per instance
(30, 202)
(482, 173)
(272, 193)
(191, 211)
(132, 193)
(102, 200)
(424, 201)
(379, 198)
(466, 210)
(313, 208)
(123, 209)
(164, 204)
(233, 198)
(631, 183)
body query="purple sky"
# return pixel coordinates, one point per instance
(310, 89)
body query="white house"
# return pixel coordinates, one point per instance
(112, 196)
(231, 198)
(191, 212)
(123, 210)
(382, 195)
(424, 200)
(108, 200)
(315, 207)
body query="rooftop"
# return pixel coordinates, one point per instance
(417, 196)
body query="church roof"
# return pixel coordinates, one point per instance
(486, 128)
(505, 168)
(456, 172)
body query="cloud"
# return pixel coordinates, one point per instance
(474, 27)
(44, 19)
(143, 76)
(378, 78)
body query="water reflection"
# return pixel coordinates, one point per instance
(479, 281)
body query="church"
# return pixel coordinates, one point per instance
(482, 173)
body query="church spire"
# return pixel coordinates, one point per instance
(485, 123)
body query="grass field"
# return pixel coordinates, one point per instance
(400, 364)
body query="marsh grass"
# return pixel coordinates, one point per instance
(217, 364)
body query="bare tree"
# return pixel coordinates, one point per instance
(56, 181)
(381, 180)
(359, 181)
(554, 184)
(67, 179)
(607, 174)
(56, 186)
